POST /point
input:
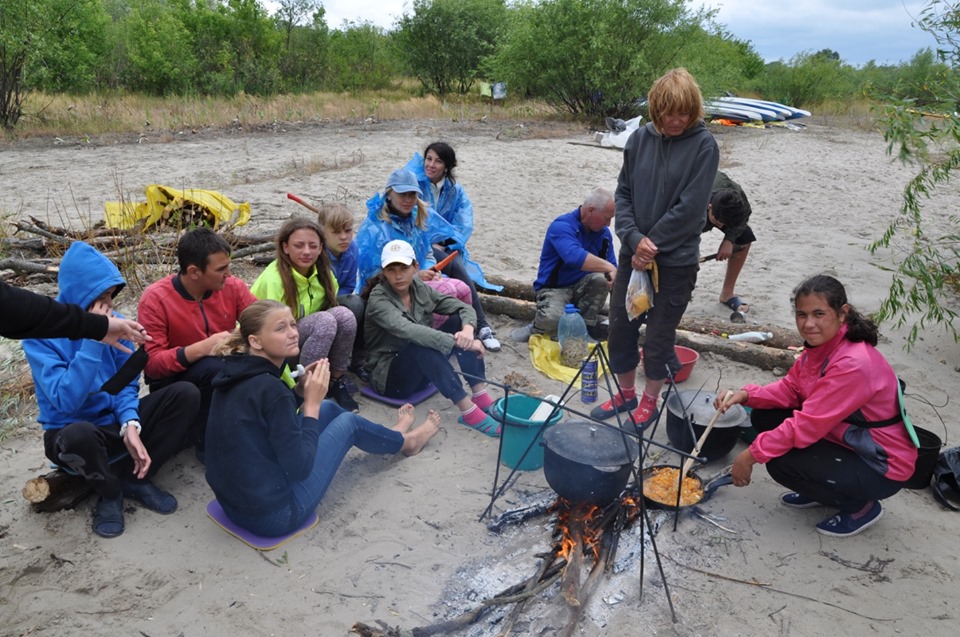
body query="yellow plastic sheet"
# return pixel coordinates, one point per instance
(165, 204)
(545, 355)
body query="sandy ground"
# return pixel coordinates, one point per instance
(399, 540)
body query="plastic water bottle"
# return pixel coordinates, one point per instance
(573, 337)
(751, 337)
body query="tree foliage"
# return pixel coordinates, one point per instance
(809, 78)
(361, 57)
(592, 57)
(47, 44)
(926, 282)
(445, 41)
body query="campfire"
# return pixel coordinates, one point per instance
(584, 539)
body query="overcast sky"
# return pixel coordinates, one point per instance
(860, 30)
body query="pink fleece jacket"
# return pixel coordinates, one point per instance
(826, 386)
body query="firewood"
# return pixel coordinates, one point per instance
(27, 267)
(253, 249)
(56, 491)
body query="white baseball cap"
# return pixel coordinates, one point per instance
(397, 251)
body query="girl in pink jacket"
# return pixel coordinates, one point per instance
(831, 429)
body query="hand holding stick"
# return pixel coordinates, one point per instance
(703, 437)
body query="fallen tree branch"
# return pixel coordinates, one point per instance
(254, 249)
(26, 227)
(28, 267)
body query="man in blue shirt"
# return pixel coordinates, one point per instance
(577, 264)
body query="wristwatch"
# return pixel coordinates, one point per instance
(130, 423)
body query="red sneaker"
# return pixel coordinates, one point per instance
(646, 413)
(616, 405)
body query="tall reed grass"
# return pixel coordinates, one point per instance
(121, 113)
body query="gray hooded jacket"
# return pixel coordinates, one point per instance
(663, 191)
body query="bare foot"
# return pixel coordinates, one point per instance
(405, 415)
(414, 441)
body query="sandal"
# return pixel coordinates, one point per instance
(108, 517)
(488, 426)
(737, 304)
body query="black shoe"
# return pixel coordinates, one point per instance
(108, 517)
(151, 496)
(338, 392)
(360, 371)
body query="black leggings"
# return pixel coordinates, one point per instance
(456, 270)
(827, 472)
(414, 366)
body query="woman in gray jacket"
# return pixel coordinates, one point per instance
(662, 192)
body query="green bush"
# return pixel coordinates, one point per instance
(592, 57)
(445, 41)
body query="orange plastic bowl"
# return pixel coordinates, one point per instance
(688, 358)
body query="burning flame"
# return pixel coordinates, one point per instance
(584, 524)
(578, 523)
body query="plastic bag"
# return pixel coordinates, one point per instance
(639, 294)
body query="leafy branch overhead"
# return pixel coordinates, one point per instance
(926, 281)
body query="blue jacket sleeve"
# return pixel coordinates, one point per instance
(69, 381)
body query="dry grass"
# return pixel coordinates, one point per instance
(855, 115)
(106, 113)
(16, 391)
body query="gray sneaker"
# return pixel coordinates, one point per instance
(522, 334)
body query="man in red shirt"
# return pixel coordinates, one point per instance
(188, 314)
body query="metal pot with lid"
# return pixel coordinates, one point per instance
(683, 432)
(587, 462)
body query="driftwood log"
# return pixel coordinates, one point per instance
(56, 491)
(697, 333)
(517, 300)
(28, 267)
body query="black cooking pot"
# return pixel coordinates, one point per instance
(699, 410)
(586, 462)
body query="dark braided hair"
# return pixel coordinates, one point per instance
(860, 329)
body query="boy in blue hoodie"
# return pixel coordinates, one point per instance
(90, 410)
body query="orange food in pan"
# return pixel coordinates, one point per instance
(661, 486)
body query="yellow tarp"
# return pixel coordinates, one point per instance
(545, 356)
(165, 205)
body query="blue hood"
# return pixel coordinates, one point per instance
(85, 274)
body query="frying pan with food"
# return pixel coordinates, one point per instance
(660, 487)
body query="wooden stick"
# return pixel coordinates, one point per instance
(26, 227)
(703, 437)
(303, 203)
(27, 267)
(531, 584)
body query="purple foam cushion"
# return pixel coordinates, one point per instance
(259, 542)
(414, 399)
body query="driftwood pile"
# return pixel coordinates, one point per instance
(517, 301)
(40, 253)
